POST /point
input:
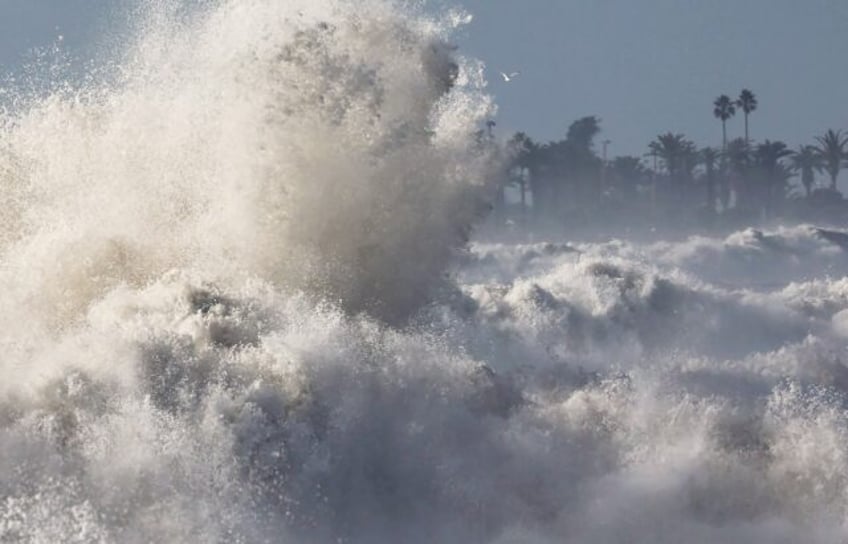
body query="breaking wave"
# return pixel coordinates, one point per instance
(325, 147)
(234, 311)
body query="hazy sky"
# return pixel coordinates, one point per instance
(28, 24)
(651, 66)
(643, 66)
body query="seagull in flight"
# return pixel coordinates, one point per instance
(509, 77)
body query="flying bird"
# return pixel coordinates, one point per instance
(509, 77)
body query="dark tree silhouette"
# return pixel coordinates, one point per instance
(807, 162)
(724, 109)
(523, 150)
(582, 133)
(709, 158)
(738, 156)
(832, 150)
(578, 164)
(773, 174)
(571, 184)
(528, 158)
(738, 160)
(679, 157)
(671, 150)
(627, 174)
(747, 102)
(560, 174)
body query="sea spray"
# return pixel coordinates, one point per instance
(324, 146)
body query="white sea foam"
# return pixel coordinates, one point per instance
(226, 318)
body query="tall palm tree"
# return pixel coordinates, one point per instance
(747, 102)
(724, 109)
(806, 161)
(832, 150)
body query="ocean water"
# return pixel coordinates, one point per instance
(240, 304)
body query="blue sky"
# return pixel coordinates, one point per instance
(652, 66)
(28, 24)
(644, 67)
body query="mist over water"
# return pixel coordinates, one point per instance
(237, 309)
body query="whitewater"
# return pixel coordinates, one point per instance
(243, 301)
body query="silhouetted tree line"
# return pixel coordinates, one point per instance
(567, 181)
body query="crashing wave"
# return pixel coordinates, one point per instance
(225, 317)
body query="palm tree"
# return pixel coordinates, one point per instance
(738, 159)
(628, 173)
(521, 148)
(747, 102)
(832, 151)
(528, 158)
(677, 155)
(738, 155)
(782, 175)
(769, 155)
(806, 161)
(669, 148)
(709, 158)
(724, 109)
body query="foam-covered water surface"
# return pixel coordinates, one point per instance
(239, 307)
